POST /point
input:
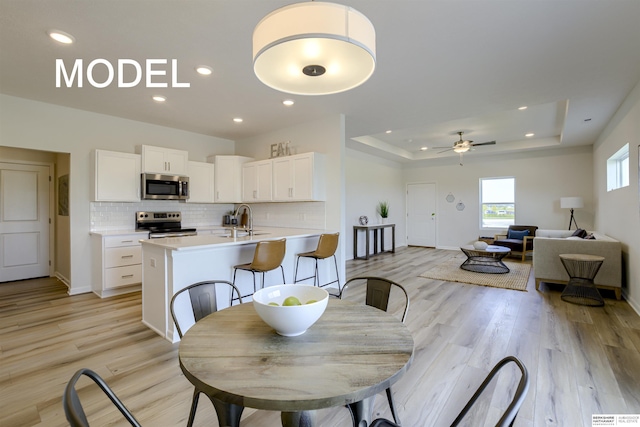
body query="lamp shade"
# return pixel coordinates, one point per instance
(571, 202)
(314, 48)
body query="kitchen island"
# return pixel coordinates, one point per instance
(172, 263)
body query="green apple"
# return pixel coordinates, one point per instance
(274, 303)
(291, 301)
(311, 301)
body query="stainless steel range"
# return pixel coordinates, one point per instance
(162, 224)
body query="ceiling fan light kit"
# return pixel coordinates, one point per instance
(314, 48)
(462, 146)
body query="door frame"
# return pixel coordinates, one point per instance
(406, 232)
(52, 211)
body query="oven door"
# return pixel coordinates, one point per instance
(164, 187)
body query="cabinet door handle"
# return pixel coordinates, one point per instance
(128, 276)
(126, 241)
(127, 256)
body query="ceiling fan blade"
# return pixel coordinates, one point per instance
(484, 143)
(444, 151)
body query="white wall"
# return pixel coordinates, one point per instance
(370, 180)
(617, 213)
(326, 136)
(40, 126)
(542, 178)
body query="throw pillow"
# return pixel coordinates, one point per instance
(517, 235)
(580, 233)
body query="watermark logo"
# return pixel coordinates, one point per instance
(616, 420)
(155, 73)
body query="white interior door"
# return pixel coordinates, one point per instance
(421, 215)
(24, 221)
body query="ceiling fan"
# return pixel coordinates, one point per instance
(462, 146)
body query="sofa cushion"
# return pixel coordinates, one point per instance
(513, 244)
(517, 235)
(580, 233)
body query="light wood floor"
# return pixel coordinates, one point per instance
(581, 360)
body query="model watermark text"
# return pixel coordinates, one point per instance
(101, 73)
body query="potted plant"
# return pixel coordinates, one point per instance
(383, 211)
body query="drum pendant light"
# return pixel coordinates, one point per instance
(314, 48)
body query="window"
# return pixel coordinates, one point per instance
(618, 169)
(497, 199)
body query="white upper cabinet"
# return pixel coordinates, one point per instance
(299, 178)
(201, 182)
(164, 160)
(256, 181)
(117, 177)
(228, 177)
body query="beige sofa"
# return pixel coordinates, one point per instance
(549, 244)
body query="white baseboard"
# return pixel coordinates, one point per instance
(634, 304)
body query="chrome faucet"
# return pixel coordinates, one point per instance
(250, 225)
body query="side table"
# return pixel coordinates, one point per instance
(582, 269)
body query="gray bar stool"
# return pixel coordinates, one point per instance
(327, 246)
(267, 256)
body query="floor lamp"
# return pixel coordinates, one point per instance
(571, 203)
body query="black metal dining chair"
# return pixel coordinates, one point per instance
(508, 416)
(377, 295)
(203, 302)
(73, 408)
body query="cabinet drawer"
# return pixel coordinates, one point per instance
(126, 255)
(122, 276)
(128, 240)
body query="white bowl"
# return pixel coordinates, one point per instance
(292, 320)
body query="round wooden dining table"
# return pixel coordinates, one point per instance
(349, 355)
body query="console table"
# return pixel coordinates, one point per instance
(376, 229)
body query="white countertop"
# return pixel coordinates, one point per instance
(210, 241)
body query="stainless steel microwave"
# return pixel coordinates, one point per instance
(164, 187)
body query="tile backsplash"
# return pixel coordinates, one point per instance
(106, 216)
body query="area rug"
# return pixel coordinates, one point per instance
(450, 271)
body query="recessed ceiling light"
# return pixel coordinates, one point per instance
(524, 107)
(288, 102)
(529, 135)
(204, 70)
(61, 36)
(159, 98)
(389, 131)
(424, 148)
(237, 119)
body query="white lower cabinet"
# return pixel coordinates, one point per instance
(117, 263)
